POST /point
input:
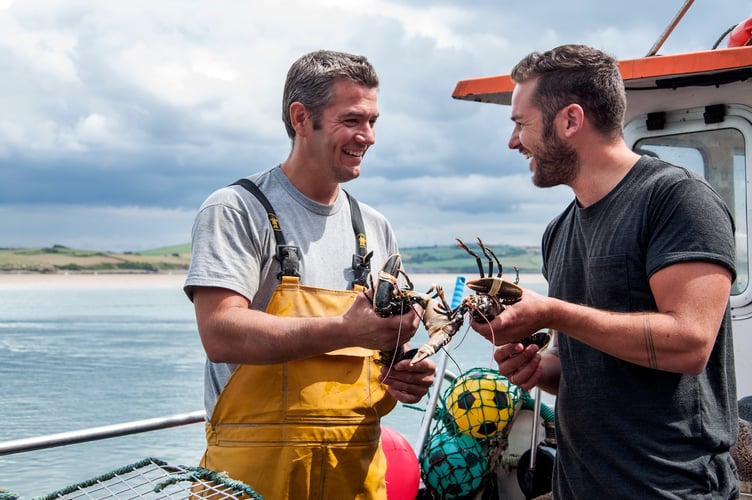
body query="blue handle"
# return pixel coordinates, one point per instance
(459, 288)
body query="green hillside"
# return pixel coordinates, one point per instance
(184, 249)
(455, 260)
(58, 258)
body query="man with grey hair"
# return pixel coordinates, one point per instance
(639, 267)
(278, 272)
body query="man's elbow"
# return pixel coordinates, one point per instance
(696, 358)
(216, 350)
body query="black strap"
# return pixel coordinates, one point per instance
(362, 260)
(287, 255)
(273, 220)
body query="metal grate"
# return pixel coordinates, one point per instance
(153, 478)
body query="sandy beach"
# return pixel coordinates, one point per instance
(78, 281)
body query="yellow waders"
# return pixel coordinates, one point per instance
(307, 428)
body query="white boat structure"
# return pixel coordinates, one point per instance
(693, 109)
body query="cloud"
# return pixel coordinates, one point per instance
(139, 109)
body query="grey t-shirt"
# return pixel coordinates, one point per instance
(623, 430)
(233, 247)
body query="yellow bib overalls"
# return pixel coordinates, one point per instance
(308, 428)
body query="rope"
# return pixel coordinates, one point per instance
(200, 474)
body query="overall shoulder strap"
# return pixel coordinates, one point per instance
(362, 259)
(287, 255)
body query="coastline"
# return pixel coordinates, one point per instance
(78, 281)
(81, 281)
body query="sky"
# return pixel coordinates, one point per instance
(117, 119)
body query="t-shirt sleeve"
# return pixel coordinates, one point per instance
(226, 247)
(690, 222)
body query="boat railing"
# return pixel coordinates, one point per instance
(97, 433)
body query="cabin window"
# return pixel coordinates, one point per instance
(719, 155)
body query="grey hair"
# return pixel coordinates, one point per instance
(311, 78)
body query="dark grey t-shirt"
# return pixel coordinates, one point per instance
(626, 431)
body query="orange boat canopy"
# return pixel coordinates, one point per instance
(642, 73)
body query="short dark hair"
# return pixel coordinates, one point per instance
(576, 74)
(311, 77)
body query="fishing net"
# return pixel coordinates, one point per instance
(153, 478)
(468, 433)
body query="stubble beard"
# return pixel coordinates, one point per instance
(557, 163)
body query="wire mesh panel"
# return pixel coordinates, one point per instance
(153, 478)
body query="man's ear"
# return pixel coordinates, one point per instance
(299, 118)
(570, 119)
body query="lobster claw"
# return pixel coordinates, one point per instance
(441, 329)
(541, 339)
(436, 342)
(386, 294)
(392, 265)
(390, 358)
(506, 291)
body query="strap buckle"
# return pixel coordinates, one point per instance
(289, 258)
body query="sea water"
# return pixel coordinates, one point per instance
(111, 351)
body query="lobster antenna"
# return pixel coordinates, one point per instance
(477, 259)
(486, 252)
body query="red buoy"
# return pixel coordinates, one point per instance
(741, 35)
(402, 468)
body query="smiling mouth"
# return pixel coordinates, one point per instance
(527, 154)
(357, 153)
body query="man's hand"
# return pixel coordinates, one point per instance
(520, 365)
(517, 321)
(371, 331)
(526, 367)
(408, 383)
